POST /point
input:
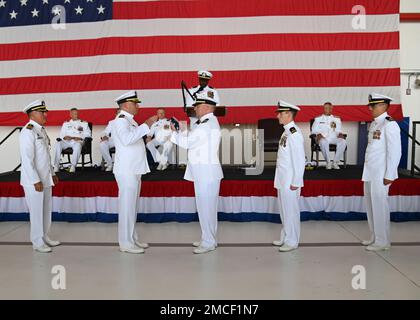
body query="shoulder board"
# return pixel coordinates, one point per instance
(205, 120)
(30, 126)
(389, 119)
(293, 130)
(121, 116)
(211, 87)
(82, 121)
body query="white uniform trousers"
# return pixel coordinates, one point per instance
(378, 215)
(288, 201)
(61, 145)
(105, 146)
(40, 205)
(151, 146)
(324, 144)
(128, 194)
(162, 158)
(207, 199)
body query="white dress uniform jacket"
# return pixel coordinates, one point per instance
(290, 169)
(194, 90)
(383, 152)
(290, 165)
(157, 126)
(75, 128)
(328, 126)
(202, 143)
(35, 156)
(105, 145)
(130, 152)
(107, 130)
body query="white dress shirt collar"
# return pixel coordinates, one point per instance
(381, 117)
(127, 114)
(36, 124)
(289, 125)
(206, 116)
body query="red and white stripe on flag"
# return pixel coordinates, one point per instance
(306, 52)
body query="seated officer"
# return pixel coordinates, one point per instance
(159, 135)
(107, 143)
(328, 131)
(72, 135)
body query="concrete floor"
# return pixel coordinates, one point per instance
(245, 266)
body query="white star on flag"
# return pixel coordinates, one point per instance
(101, 9)
(56, 10)
(44, 1)
(13, 14)
(78, 10)
(23, 2)
(2, 3)
(35, 13)
(89, 0)
(66, 1)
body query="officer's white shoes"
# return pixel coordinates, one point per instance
(277, 243)
(286, 248)
(336, 166)
(368, 242)
(56, 169)
(43, 249)
(198, 243)
(51, 243)
(134, 250)
(72, 169)
(374, 247)
(329, 166)
(201, 249)
(142, 245)
(162, 167)
(108, 168)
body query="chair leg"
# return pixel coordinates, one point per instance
(345, 158)
(317, 158)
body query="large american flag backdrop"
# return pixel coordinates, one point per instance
(302, 51)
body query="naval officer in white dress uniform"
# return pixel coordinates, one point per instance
(72, 135)
(383, 154)
(203, 87)
(203, 168)
(159, 135)
(328, 131)
(37, 175)
(288, 178)
(129, 165)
